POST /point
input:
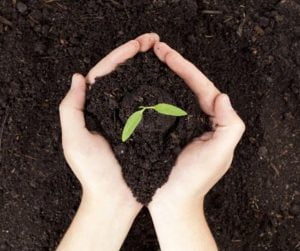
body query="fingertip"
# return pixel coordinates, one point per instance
(161, 46)
(161, 50)
(155, 36)
(78, 81)
(222, 106)
(116, 57)
(75, 76)
(156, 47)
(224, 101)
(147, 40)
(226, 116)
(156, 44)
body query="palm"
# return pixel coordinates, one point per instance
(94, 163)
(201, 165)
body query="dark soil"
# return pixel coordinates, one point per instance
(249, 48)
(148, 156)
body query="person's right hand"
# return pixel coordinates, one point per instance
(206, 159)
(203, 162)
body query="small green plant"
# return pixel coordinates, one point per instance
(135, 118)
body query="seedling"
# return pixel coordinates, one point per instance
(135, 118)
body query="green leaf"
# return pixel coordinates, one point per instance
(131, 124)
(171, 110)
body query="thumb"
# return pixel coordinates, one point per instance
(71, 108)
(229, 126)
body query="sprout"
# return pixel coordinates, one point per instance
(135, 118)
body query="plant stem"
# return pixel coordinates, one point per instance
(146, 107)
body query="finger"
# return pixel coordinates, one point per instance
(147, 41)
(71, 108)
(113, 59)
(229, 126)
(119, 55)
(203, 88)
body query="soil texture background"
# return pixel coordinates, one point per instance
(248, 48)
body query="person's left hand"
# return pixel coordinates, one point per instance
(89, 154)
(107, 208)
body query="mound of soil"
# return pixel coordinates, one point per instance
(148, 156)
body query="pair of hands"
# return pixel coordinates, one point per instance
(198, 167)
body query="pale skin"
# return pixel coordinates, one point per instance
(108, 208)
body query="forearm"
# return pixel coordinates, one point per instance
(182, 228)
(99, 224)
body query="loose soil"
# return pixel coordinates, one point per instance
(249, 48)
(148, 156)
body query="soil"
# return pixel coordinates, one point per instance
(149, 155)
(249, 48)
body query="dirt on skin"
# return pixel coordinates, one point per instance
(248, 48)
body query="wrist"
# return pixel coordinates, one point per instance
(177, 209)
(182, 226)
(176, 200)
(111, 203)
(100, 221)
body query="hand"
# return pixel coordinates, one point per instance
(205, 160)
(91, 159)
(89, 154)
